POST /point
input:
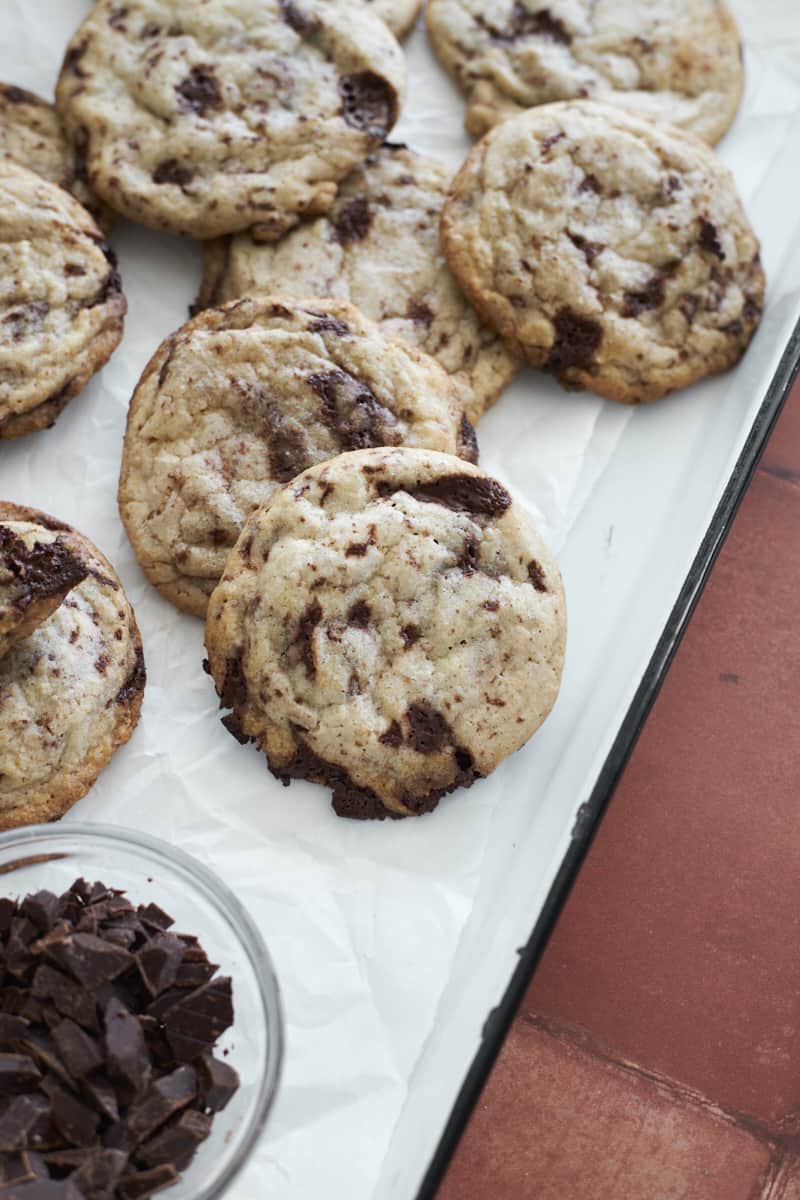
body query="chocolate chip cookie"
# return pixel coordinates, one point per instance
(61, 301)
(379, 248)
(70, 692)
(31, 134)
(38, 569)
(204, 119)
(390, 625)
(399, 15)
(678, 63)
(611, 251)
(244, 398)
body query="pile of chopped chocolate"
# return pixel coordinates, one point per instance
(108, 1022)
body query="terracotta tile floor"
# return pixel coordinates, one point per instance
(657, 1053)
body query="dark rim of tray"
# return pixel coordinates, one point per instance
(590, 814)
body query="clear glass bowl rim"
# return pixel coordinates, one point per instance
(237, 917)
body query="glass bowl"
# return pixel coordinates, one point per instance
(52, 857)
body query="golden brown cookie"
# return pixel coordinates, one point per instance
(70, 692)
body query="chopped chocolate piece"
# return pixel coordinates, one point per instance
(39, 1045)
(151, 915)
(7, 910)
(576, 339)
(70, 998)
(145, 1183)
(163, 1099)
(218, 1082)
(79, 1053)
(74, 1121)
(429, 732)
(368, 103)
(473, 494)
(158, 962)
(196, 1022)
(45, 1189)
(91, 959)
(126, 1052)
(18, 1073)
(42, 909)
(11, 1029)
(21, 1121)
(97, 1178)
(102, 1096)
(22, 1167)
(177, 1142)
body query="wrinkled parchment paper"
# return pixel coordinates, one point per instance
(363, 921)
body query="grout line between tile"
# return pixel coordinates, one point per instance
(781, 1142)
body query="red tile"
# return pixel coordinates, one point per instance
(555, 1123)
(782, 455)
(788, 1187)
(678, 947)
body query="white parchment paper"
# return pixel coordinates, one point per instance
(363, 921)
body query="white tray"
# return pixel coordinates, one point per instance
(393, 942)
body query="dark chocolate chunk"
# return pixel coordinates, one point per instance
(199, 91)
(126, 1052)
(359, 614)
(162, 1100)
(135, 681)
(79, 1052)
(429, 732)
(467, 441)
(141, 1184)
(369, 103)
(473, 494)
(44, 570)
(18, 1073)
(151, 914)
(709, 239)
(171, 171)
(69, 997)
(650, 296)
(523, 23)
(537, 576)
(299, 21)
(325, 323)
(76, 1122)
(410, 634)
(575, 343)
(45, 1189)
(352, 220)
(194, 1024)
(158, 962)
(12, 1029)
(102, 1095)
(91, 960)
(177, 1142)
(22, 1122)
(304, 639)
(353, 412)
(217, 1082)
(287, 448)
(42, 908)
(234, 686)
(393, 736)
(589, 250)
(470, 557)
(98, 1176)
(419, 312)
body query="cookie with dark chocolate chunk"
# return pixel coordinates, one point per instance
(379, 248)
(678, 64)
(205, 119)
(611, 251)
(32, 135)
(245, 397)
(391, 626)
(71, 689)
(61, 301)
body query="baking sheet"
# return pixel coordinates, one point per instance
(392, 942)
